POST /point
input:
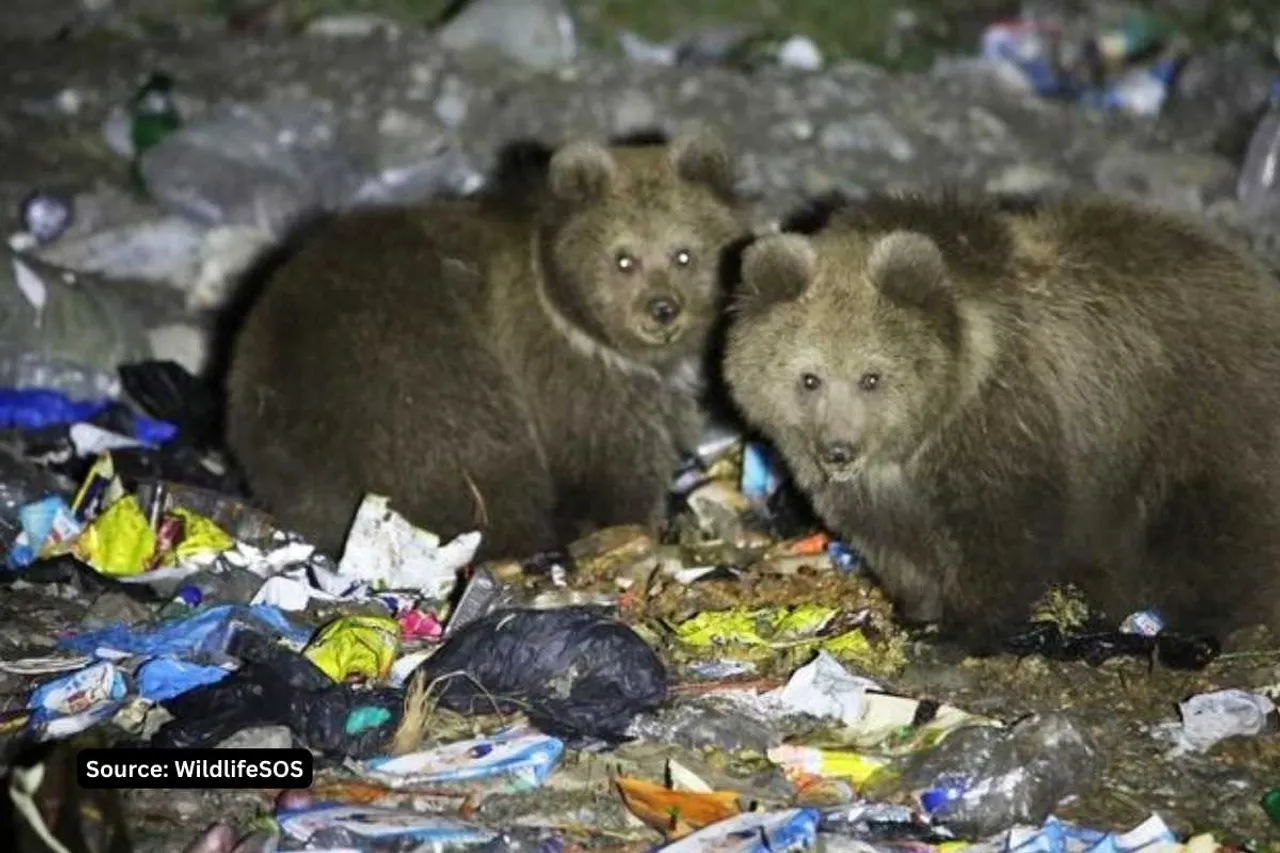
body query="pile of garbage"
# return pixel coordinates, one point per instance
(690, 683)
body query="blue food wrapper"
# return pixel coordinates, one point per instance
(1057, 836)
(1145, 622)
(521, 756)
(95, 686)
(372, 823)
(759, 476)
(41, 520)
(754, 832)
(1025, 46)
(844, 557)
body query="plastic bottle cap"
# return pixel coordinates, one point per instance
(45, 215)
(190, 595)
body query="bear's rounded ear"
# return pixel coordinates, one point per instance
(581, 172)
(776, 268)
(702, 157)
(908, 267)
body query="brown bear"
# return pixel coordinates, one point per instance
(529, 370)
(989, 402)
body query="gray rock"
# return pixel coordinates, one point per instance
(353, 25)
(633, 110)
(538, 33)
(114, 608)
(452, 104)
(870, 133)
(1026, 179)
(1223, 83)
(1180, 182)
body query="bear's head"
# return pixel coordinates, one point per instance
(847, 347)
(631, 243)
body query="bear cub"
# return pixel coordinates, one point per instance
(988, 403)
(529, 370)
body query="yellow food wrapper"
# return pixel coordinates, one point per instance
(200, 536)
(355, 645)
(829, 763)
(739, 626)
(119, 541)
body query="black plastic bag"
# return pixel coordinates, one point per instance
(276, 687)
(83, 578)
(169, 392)
(574, 672)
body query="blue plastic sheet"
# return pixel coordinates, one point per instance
(34, 408)
(160, 679)
(204, 633)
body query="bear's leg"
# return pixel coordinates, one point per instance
(1213, 558)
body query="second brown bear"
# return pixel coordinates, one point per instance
(530, 371)
(988, 403)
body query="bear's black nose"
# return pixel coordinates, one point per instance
(663, 310)
(838, 453)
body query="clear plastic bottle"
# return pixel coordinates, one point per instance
(983, 779)
(1259, 183)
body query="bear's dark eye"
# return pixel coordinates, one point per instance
(683, 258)
(869, 381)
(810, 382)
(625, 261)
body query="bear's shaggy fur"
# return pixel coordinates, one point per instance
(989, 402)
(528, 370)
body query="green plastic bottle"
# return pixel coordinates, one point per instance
(1271, 805)
(155, 116)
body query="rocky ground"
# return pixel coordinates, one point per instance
(850, 126)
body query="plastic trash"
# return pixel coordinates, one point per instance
(272, 165)
(574, 672)
(208, 632)
(980, 780)
(1259, 183)
(78, 692)
(1176, 651)
(1208, 718)
(1271, 805)
(518, 757)
(384, 549)
(277, 687)
(46, 523)
(45, 215)
(363, 646)
(168, 392)
(754, 832)
(154, 116)
(329, 826)
(161, 679)
(32, 408)
(674, 813)
(824, 688)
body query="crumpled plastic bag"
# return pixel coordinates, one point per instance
(574, 672)
(276, 687)
(208, 632)
(355, 645)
